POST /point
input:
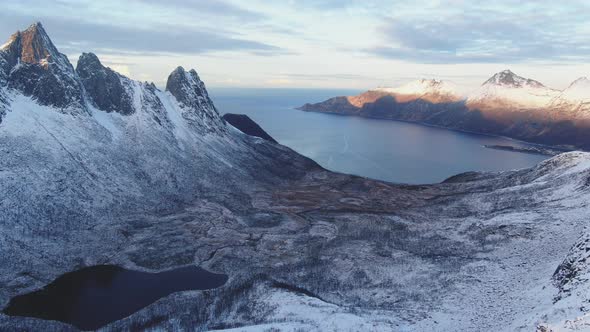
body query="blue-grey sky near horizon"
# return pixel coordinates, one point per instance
(319, 43)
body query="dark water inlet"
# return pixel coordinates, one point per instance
(95, 296)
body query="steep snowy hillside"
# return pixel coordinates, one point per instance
(123, 144)
(507, 90)
(108, 170)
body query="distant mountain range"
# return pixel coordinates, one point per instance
(506, 104)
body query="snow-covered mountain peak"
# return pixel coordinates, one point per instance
(581, 85)
(507, 78)
(581, 80)
(424, 87)
(506, 90)
(33, 46)
(428, 86)
(579, 89)
(32, 67)
(31, 64)
(190, 92)
(575, 99)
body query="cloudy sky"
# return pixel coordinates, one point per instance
(319, 43)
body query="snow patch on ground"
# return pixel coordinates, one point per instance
(174, 113)
(113, 121)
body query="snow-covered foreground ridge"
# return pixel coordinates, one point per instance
(100, 169)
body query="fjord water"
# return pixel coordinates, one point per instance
(380, 149)
(95, 296)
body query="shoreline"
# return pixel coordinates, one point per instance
(556, 148)
(531, 150)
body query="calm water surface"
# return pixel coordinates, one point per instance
(380, 149)
(95, 296)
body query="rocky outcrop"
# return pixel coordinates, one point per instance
(192, 95)
(104, 86)
(247, 126)
(33, 66)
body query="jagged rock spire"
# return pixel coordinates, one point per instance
(187, 87)
(190, 92)
(32, 65)
(104, 86)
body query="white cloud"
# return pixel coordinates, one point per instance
(321, 43)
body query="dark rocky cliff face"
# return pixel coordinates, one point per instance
(34, 66)
(192, 95)
(104, 86)
(247, 126)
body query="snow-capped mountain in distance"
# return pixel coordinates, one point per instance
(505, 104)
(575, 99)
(430, 89)
(579, 90)
(509, 79)
(508, 90)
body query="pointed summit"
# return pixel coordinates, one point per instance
(36, 45)
(190, 92)
(187, 87)
(33, 46)
(578, 91)
(31, 64)
(582, 81)
(106, 88)
(510, 79)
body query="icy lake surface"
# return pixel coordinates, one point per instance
(95, 296)
(380, 149)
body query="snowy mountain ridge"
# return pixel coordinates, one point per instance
(508, 90)
(112, 134)
(33, 66)
(424, 87)
(503, 89)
